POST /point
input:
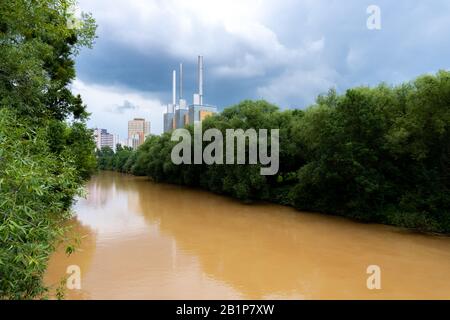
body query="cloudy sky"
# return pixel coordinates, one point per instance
(284, 51)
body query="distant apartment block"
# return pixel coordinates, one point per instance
(138, 130)
(179, 115)
(103, 139)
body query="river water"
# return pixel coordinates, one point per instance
(143, 240)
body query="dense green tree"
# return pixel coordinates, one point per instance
(37, 46)
(374, 154)
(105, 158)
(46, 151)
(36, 190)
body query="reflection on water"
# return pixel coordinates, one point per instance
(144, 240)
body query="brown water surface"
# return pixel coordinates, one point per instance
(142, 240)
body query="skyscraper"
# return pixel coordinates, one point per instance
(138, 130)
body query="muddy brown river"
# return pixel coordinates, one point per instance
(143, 240)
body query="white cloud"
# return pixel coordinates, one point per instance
(102, 102)
(233, 35)
(180, 28)
(304, 77)
(299, 85)
(355, 58)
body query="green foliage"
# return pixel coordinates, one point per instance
(80, 145)
(75, 141)
(374, 154)
(36, 191)
(37, 47)
(44, 158)
(108, 160)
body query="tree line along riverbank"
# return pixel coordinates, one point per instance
(377, 154)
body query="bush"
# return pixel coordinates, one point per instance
(43, 159)
(36, 191)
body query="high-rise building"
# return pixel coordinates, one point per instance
(103, 139)
(138, 130)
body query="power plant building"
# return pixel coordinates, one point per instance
(169, 116)
(178, 116)
(169, 120)
(181, 118)
(198, 113)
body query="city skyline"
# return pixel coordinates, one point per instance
(178, 113)
(138, 130)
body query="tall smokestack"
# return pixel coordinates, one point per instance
(174, 88)
(200, 78)
(181, 81)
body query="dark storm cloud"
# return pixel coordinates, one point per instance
(112, 64)
(291, 53)
(126, 106)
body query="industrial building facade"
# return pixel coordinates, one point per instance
(179, 115)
